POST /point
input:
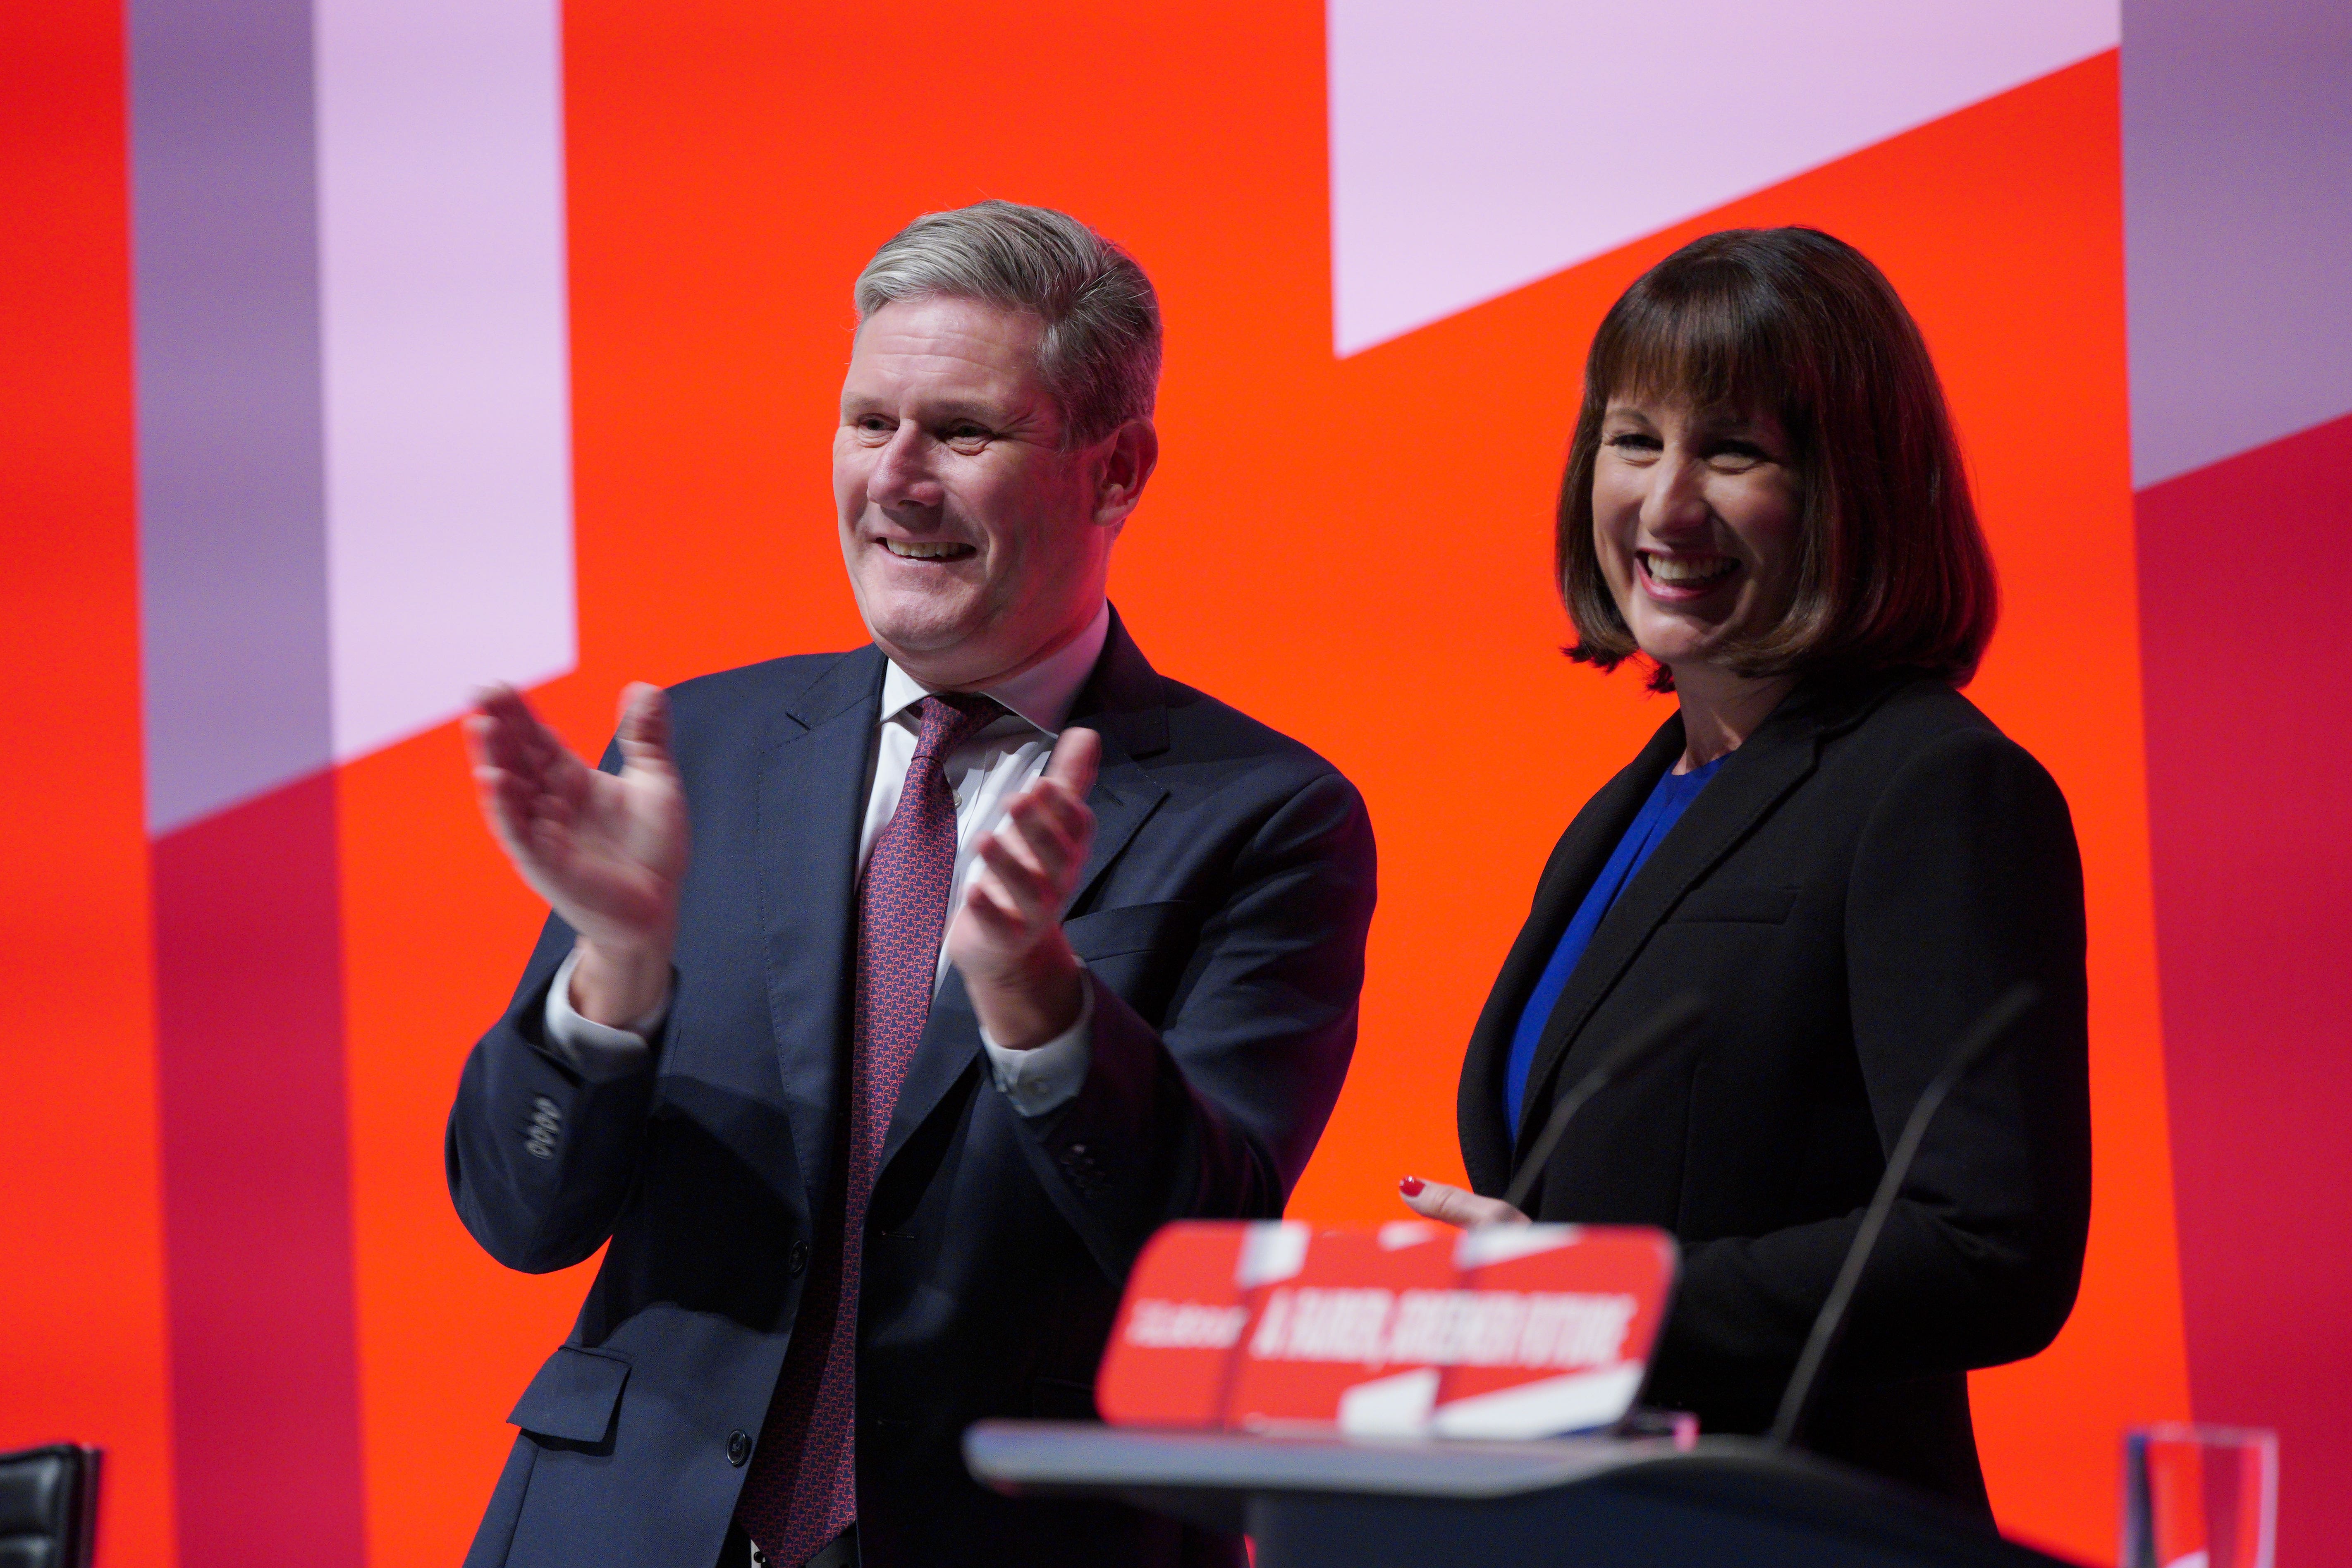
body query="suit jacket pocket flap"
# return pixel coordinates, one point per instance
(1133, 927)
(1730, 902)
(573, 1396)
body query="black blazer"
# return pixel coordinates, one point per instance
(1870, 870)
(1222, 915)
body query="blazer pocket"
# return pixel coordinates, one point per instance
(1133, 927)
(573, 1396)
(1733, 904)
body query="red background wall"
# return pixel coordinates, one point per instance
(82, 1314)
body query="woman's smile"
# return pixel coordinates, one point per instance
(1684, 576)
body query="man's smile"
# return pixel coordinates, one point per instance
(930, 548)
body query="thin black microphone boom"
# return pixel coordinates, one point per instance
(1663, 1025)
(1992, 1028)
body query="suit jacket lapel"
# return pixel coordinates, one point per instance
(1123, 701)
(1781, 753)
(1484, 1128)
(813, 788)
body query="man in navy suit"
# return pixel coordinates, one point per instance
(891, 999)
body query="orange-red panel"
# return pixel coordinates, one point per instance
(2002, 226)
(82, 1354)
(1357, 552)
(434, 930)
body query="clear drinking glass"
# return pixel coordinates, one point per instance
(2199, 1497)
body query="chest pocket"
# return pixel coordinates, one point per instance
(1734, 904)
(1138, 950)
(1133, 927)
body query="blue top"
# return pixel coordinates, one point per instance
(1658, 815)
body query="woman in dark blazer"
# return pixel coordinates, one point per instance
(1765, 508)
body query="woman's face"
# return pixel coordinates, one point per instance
(1694, 514)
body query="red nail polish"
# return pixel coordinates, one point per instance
(1409, 1186)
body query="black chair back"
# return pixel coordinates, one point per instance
(48, 1507)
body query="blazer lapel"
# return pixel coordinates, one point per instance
(812, 786)
(1125, 702)
(1484, 1128)
(1121, 701)
(1758, 776)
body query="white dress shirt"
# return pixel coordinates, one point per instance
(986, 771)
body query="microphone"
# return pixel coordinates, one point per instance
(1992, 1027)
(1663, 1025)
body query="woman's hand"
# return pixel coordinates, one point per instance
(1452, 1206)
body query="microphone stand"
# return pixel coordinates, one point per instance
(1992, 1026)
(1663, 1025)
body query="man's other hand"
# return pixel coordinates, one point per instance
(607, 851)
(1007, 939)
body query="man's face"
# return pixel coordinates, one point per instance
(977, 543)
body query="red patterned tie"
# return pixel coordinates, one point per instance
(802, 1490)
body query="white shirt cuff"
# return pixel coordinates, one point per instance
(1048, 1076)
(596, 1051)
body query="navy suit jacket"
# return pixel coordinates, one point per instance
(1868, 873)
(1222, 915)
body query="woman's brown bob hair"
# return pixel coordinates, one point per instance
(1891, 569)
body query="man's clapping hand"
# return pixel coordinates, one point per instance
(606, 851)
(1007, 939)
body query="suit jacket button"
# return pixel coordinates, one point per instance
(796, 1258)
(738, 1449)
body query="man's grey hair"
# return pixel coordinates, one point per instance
(1100, 352)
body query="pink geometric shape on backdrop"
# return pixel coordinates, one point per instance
(1478, 146)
